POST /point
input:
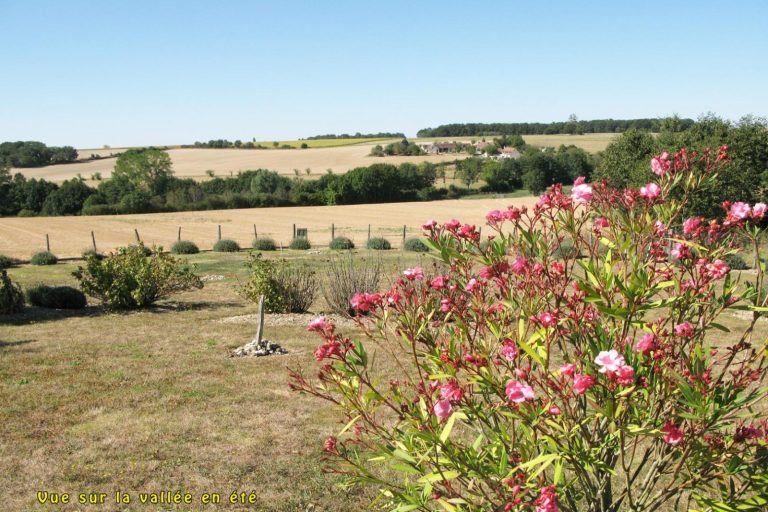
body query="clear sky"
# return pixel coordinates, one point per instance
(169, 72)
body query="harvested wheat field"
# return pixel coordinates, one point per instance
(70, 236)
(194, 162)
(590, 142)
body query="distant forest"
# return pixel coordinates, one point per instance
(572, 126)
(35, 154)
(358, 135)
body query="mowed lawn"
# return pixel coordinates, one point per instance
(149, 401)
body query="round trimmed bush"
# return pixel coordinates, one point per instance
(342, 243)
(300, 244)
(184, 247)
(56, 297)
(264, 244)
(88, 253)
(226, 246)
(44, 258)
(5, 262)
(736, 262)
(379, 244)
(415, 245)
(11, 297)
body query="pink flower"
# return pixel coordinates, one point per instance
(740, 211)
(579, 181)
(660, 164)
(365, 301)
(509, 350)
(494, 217)
(429, 225)
(567, 369)
(554, 410)
(320, 324)
(581, 192)
(660, 227)
(650, 191)
(646, 344)
(452, 225)
(472, 284)
(438, 283)
(451, 391)
(547, 319)
(520, 265)
(602, 222)
(547, 500)
(445, 305)
(581, 383)
(684, 330)
(519, 392)
(673, 434)
(717, 269)
(691, 225)
(609, 361)
(758, 211)
(330, 444)
(625, 375)
(414, 274)
(681, 252)
(443, 409)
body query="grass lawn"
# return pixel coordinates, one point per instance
(149, 401)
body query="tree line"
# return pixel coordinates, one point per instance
(572, 126)
(35, 154)
(358, 135)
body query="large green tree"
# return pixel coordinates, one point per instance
(145, 170)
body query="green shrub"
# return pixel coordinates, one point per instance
(11, 297)
(184, 247)
(342, 243)
(736, 262)
(286, 288)
(144, 249)
(415, 245)
(55, 297)
(264, 244)
(5, 262)
(44, 258)
(26, 213)
(300, 244)
(128, 279)
(379, 244)
(87, 253)
(346, 277)
(226, 246)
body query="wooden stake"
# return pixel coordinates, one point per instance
(333, 231)
(369, 232)
(403, 234)
(47, 243)
(136, 232)
(260, 325)
(294, 231)
(179, 235)
(93, 239)
(255, 234)
(219, 232)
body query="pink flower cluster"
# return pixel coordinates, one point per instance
(740, 211)
(365, 301)
(519, 391)
(547, 500)
(650, 191)
(660, 164)
(672, 434)
(581, 192)
(612, 364)
(414, 274)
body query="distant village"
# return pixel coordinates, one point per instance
(481, 147)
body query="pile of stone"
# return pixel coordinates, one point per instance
(258, 348)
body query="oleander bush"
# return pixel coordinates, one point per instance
(415, 245)
(599, 380)
(264, 244)
(341, 243)
(44, 258)
(286, 287)
(379, 244)
(127, 279)
(11, 296)
(55, 297)
(300, 243)
(185, 247)
(226, 246)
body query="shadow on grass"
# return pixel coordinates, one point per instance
(32, 315)
(6, 344)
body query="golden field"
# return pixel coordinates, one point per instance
(69, 236)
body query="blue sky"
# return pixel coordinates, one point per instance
(171, 72)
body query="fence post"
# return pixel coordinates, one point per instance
(93, 239)
(369, 232)
(403, 234)
(136, 232)
(47, 243)
(178, 238)
(333, 231)
(255, 234)
(294, 231)
(219, 232)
